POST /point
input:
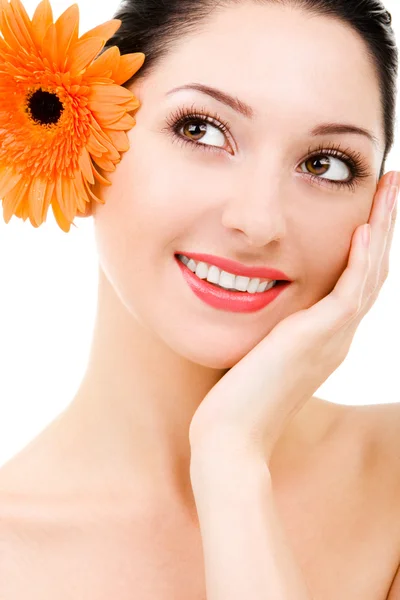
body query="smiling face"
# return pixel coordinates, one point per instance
(264, 192)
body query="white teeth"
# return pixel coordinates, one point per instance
(226, 280)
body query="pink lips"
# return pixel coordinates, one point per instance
(222, 299)
(236, 268)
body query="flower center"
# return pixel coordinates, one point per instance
(44, 107)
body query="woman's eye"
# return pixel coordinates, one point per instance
(324, 165)
(335, 168)
(195, 130)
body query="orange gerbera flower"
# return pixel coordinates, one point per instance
(61, 111)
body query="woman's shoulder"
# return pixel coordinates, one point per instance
(376, 430)
(363, 442)
(379, 423)
(372, 427)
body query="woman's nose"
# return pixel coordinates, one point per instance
(257, 209)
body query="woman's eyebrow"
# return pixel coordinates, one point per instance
(247, 111)
(333, 128)
(235, 103)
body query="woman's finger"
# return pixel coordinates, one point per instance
(384, 269)
(381, 225)
(348, 300)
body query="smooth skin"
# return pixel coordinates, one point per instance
(102, 501)
(234, 431)
(255, 401)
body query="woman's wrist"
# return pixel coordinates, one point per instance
(219, 462)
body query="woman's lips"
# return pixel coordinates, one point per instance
(223, 299)
(236, 268)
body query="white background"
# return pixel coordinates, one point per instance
(48, 293)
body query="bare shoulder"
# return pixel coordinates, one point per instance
(365, 441)
(378, 428)
(380, 423)
(382, 427)
(37, 528)
(34, 514)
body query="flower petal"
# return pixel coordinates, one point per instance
(103, 63)
(105, 30)
(41, 21)
(65, 199)
(12, 200)
(109, 93)
(63, 223)
(8, 180)
(82, 196)
(105, 114)
(48, 198)
(49, 50)
(90, 193)
(67, 27)
(36, 196)
(68, 193)
(104, 140)
(85, 164)
(9, 34)
(132, 104)
(94, 147)
(24, 21)
(119, 139)
(105, 164)
(99, 177)
(127, 122)
(129, 64)
(82, 55)
(80, 192)
(17, 25)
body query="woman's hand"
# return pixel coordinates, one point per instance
(252, 403)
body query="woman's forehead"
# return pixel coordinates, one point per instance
(285, 62)
(252, 41)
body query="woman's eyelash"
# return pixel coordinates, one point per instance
(358, 167)
(183, 114)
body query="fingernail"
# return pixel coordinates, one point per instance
(395, 178)
(392, 197)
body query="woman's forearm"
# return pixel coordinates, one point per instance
(246, 553)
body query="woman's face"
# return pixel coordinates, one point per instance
(255, 193)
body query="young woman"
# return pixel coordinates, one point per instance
(194, 460)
